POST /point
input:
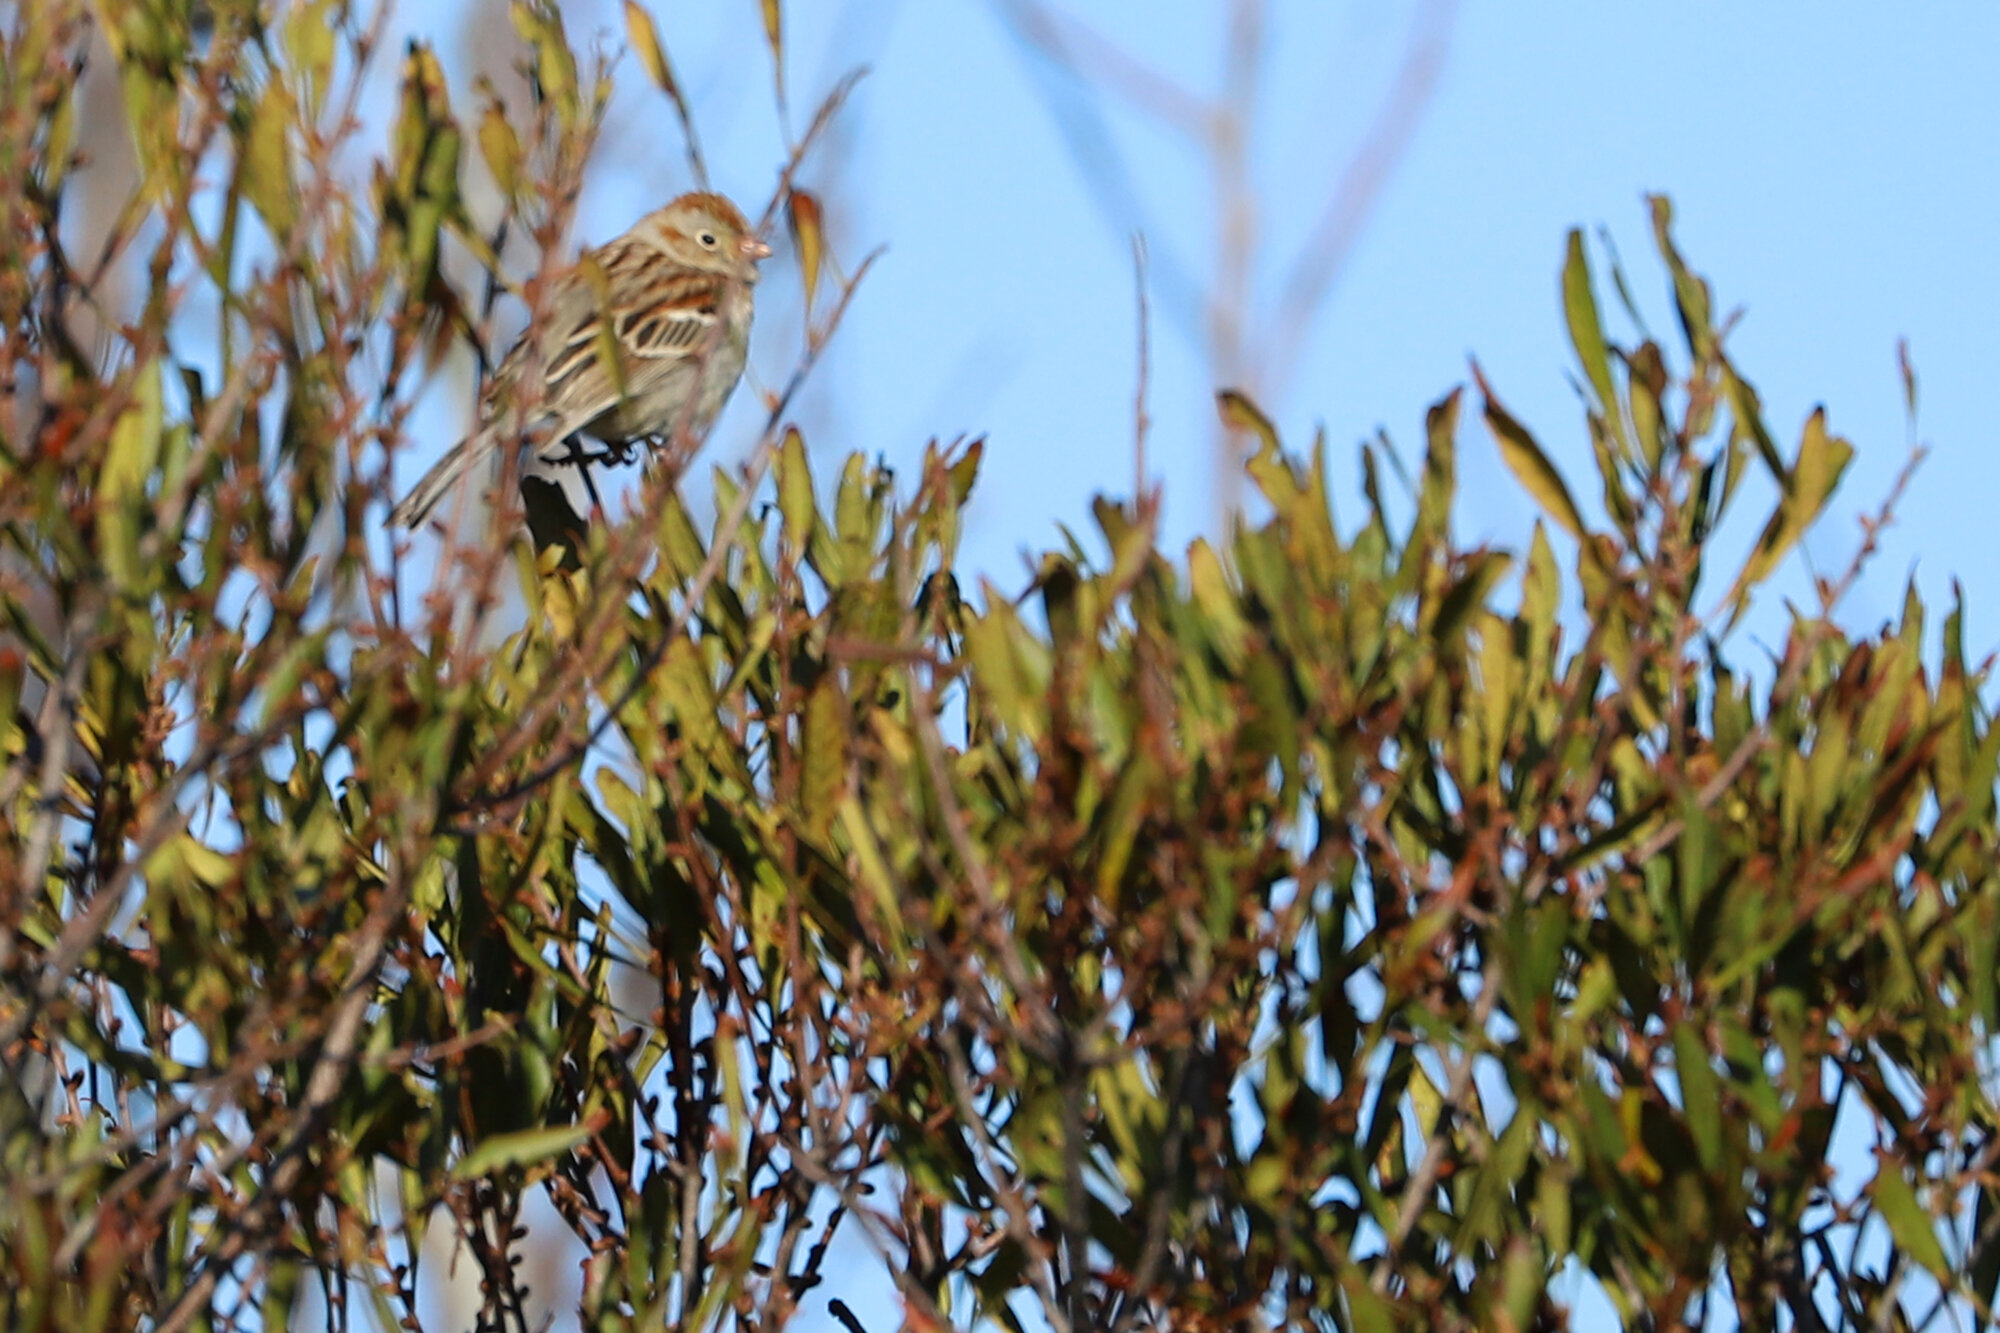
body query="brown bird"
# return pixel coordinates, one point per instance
(645, 336)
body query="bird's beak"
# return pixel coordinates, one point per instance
(754, 249)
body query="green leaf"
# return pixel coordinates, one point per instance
(795, 491)
(523, 1148)
(501, 149)
(56, 157)
(1530, 466)
(1541, 593)
(1914, 1229)
(1691, 296)
(1748, 411)
(423, 194)
(1440, 481)
(539, 23)
(1586, 333)
(1823, 460)
(1370, 1313)
(645, 42)
(1119, 822)
(823, 756)
(1645, 382)
(135, 442)
(1553, 1210)
(1010, 668)
(1701, 1099)
(1239, 413)
(186, 863)
(965, 472)
(1222, 619)
(125, 515)
(856, 516)
(150, 45)
(1467, 595)
(267, 176)
(309, 37)
(872, 869)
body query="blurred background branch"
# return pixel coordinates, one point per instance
(1250, 341)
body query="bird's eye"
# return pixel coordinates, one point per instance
(707, 238)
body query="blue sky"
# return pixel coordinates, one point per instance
(1830, 175)
(1833, 172)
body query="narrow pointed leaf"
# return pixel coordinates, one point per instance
(808, 239)
(1586, 332)
(529, 1147)
(645, 40)
(1239, 413)
(1530, 466)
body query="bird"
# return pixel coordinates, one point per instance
(668, 304)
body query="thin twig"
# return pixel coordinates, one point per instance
(1142, 421)
(1077, 46)
(822, 118)
(1355, 192)
(1086, 132)
(57, 725)
(1236, 239)
(1006, 1190)
(697, 164)
(1410, 1208)
(323, 1085)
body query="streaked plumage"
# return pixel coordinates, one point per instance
(677, 289)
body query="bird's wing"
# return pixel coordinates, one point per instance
(590, 366)
(674, 318)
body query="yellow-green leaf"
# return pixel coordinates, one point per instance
(795, 491)
(529, 1147)
(61, 143)
(539, 24)
(823, 757)
(1691, 296)
(1239, 413)
(186, 862)
(1440, 481)
(1530, 466)
(501, 148)
(1748, 411)
(1227, 631)
(267, 180)
(1914, 1229)
(645, 39)
(1586, 332)
(1822, 460)
(135, 442)
(309, 43)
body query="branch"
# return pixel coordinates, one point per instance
(328, 1076)
(1352, 199)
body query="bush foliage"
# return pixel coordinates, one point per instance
(1332, 926)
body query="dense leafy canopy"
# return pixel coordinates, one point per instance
(1330, 926)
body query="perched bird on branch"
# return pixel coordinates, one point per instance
(644, 338)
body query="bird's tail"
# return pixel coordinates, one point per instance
(444, 475)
